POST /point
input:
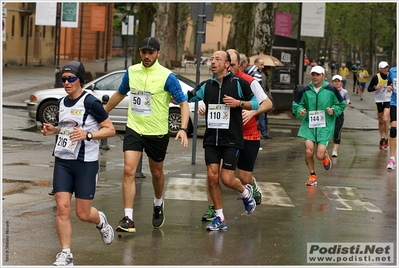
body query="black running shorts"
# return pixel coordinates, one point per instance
(215, 154)
(155, 146)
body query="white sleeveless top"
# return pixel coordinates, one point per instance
(76, 116)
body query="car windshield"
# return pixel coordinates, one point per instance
(110, 82)
(186, 81)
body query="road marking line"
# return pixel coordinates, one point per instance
(346, 198)
(195, 189)
(274, 194)
(186, 189)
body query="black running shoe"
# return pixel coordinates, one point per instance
(126, 225)
(158, 218)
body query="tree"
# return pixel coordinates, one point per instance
(241, 28)
(264, 28)
(166, 31)
(146, 15)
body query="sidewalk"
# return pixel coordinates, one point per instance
(360, 115)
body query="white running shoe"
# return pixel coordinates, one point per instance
(106, 231)
(63, 259)
(334, 153)
(391, 164)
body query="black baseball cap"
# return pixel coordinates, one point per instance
(75, 67)
(150, 43)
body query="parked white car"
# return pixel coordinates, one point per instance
(42, 105)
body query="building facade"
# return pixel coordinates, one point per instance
(27, 44)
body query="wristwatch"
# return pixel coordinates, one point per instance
(242, 104)
(184, 129)
(89, 136)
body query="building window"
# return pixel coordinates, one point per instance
(52, 32)
(31, 27)
(22, 21)
(13, 26)
(44, 32)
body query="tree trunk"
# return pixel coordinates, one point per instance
(146, 17)
(184, 10)
(242, 28)
(264, 28)
(166, 32)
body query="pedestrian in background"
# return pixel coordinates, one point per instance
(82, 123)
(355, 68)
(379, 85)
(306, 62)
(332, 66)
(151, 88)
(392, 86)
(339, 121)
(318, 105)
(224, 95)
(361, 77)
(344, 73)
(244, 62)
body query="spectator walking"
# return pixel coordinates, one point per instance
(318, 105)
(147, 126)
(383, 91)
(344, 73)
(393, 83)
(224, 94)
(82, 123)
(339, 122)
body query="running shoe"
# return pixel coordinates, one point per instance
(126, 225)
(327, 163)
(334, 153)
(391, 164)
(106, 231)
(217, 224)
(382, 141)
(257, 193)
(312, 181)
(63, 259)
(249, 202)
(210, 214)
(158, 218)
(386, 143)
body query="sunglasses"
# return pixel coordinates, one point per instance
(70, 79)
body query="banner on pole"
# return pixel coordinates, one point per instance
(46, 13)
(282, 24)
(69, 15)
(98, 18)
(313, 16)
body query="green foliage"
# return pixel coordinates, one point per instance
(360, 26)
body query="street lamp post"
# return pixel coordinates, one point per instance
(127, 31)
(134, 32)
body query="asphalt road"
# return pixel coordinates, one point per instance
(355, 203)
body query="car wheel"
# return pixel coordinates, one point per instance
(48, 112)
(174, 121)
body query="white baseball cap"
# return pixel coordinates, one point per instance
(337, 76)
(383, 64)
(317, 69)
